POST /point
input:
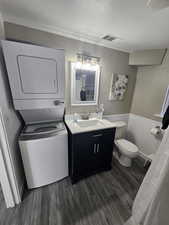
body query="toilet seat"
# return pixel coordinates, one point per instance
(126, 147)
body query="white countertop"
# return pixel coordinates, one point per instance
(96, 124)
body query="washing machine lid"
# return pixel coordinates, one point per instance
(43, 115)
(43, 128)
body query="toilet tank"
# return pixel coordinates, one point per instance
(121, 128)
(120, 132)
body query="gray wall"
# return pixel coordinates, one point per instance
(111, 61)
(11, 120)
(150, 89)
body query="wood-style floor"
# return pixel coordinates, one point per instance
(102, 199)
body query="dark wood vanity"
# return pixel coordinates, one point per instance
(90, 152)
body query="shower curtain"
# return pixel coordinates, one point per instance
(151, 205)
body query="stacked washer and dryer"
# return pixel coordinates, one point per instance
(37, 79)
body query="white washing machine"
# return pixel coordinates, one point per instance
(37, 80)
(44, 150)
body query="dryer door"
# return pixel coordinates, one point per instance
(34, 72)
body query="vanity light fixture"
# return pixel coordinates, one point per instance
(86, 59)
(85, 66)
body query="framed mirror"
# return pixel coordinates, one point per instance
(84, 83)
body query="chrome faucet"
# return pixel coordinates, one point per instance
(85, 116)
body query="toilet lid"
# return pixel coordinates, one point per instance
(128, 146)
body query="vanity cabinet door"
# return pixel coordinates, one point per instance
(83, 155)
(91, 153)
(104, 147)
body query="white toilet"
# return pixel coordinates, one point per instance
(127, 150)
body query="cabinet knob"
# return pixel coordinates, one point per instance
(94, 148)
(98, 147)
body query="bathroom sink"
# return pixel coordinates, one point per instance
(88, 123)
(81, 126)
